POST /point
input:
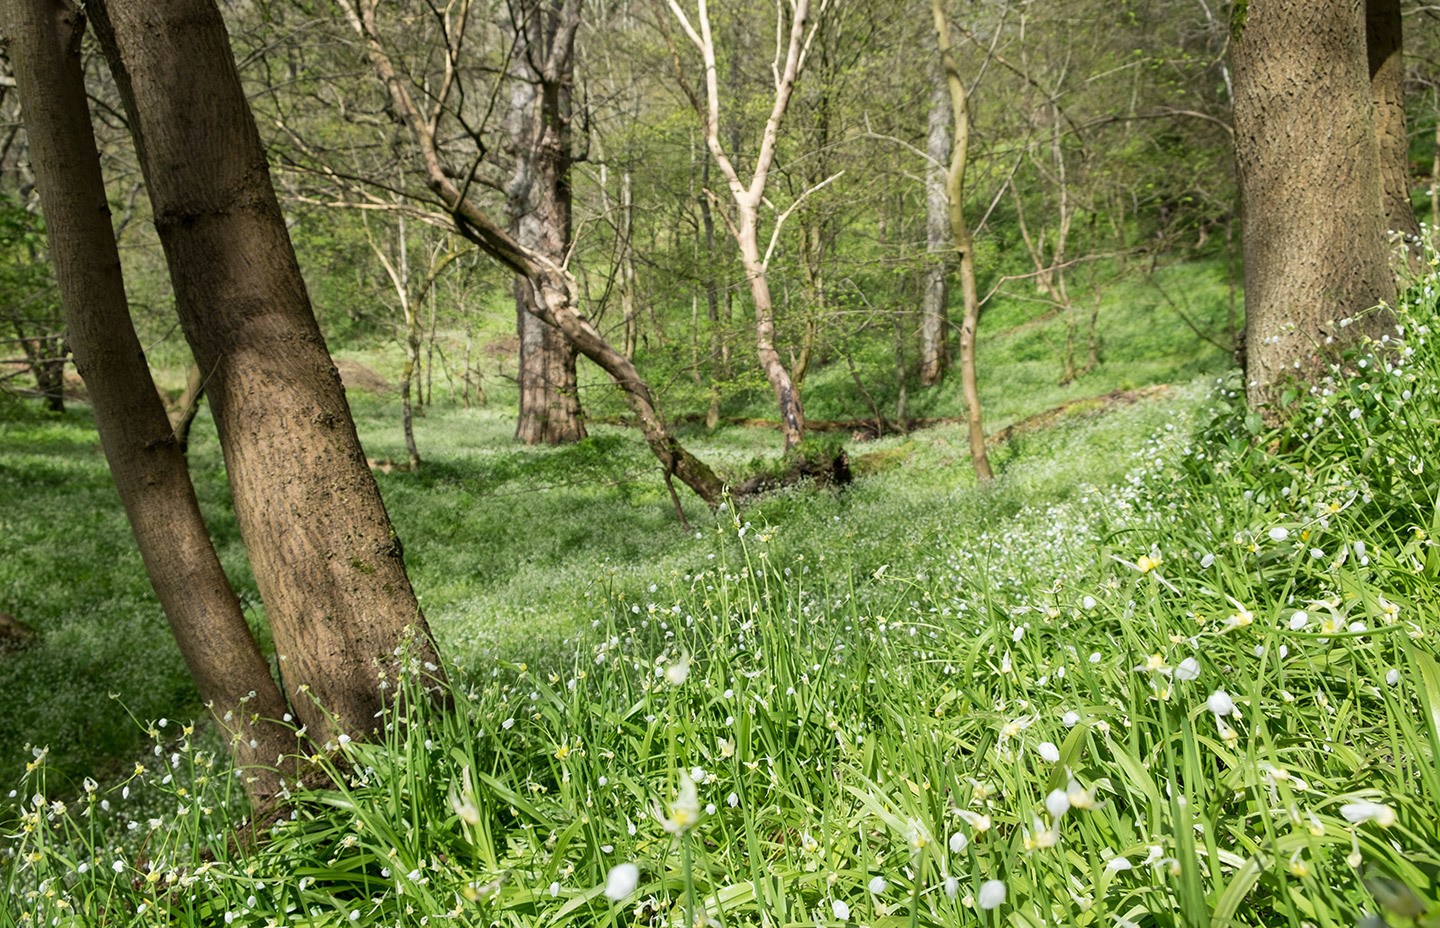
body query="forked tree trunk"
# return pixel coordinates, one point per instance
(935, 311)
(150, 474)
(538, 202)
(1309, 172)
(325, 556)
(965, 252)
(1383, 49)
(747, 197)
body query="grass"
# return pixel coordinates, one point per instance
(1172, 668)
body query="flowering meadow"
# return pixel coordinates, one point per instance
(1207, 695)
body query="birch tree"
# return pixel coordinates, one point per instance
(747, 196)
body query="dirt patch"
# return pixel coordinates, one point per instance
(1085, 406)
(357, 376)
(14, 634)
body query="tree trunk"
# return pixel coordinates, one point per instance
(325, 556)
(1308, 166)
(748, 196)
(960, 232)
(549, 398)
(1435, 176)
(1383, 46)
(150, 474)
(787, 397)
(627, 264)
(719, 345)
(538, 202)
(935, 312)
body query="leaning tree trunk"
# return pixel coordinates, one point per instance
(935, 317)
(1308, 166)
(1383, 44)
(149, 470)
(325, 556)
(538, 201)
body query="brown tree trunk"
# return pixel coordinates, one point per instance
(233, 678)
(538, 202)
(1383, 44)
(960, 232)
(627, 263)
(549, 399)
(935, 312)
(1308, 166)
(325, 556)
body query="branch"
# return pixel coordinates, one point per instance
(780, 220)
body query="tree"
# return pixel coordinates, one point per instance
(1383, 46)
(554, 294)
(1310, 183)
(747, 197)
(935, 314)
(964, 247)
(30, 313)
(325, 557)
(147, 463)
(538, 138)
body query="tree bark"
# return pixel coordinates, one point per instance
(1308, 166)
(325, 556)
(935, 312)
(1383, 49)
(538, 203)
(960, 232)
(149, 470)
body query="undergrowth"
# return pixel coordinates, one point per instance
(1207, 696)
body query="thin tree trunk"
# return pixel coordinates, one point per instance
(960, 230)
(1383, 49)
(324, 553)
(627, 264)
(149, 470)
(748, 197)
(935, 312)
(719, 345)
(1435, 177)
(787, 397)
